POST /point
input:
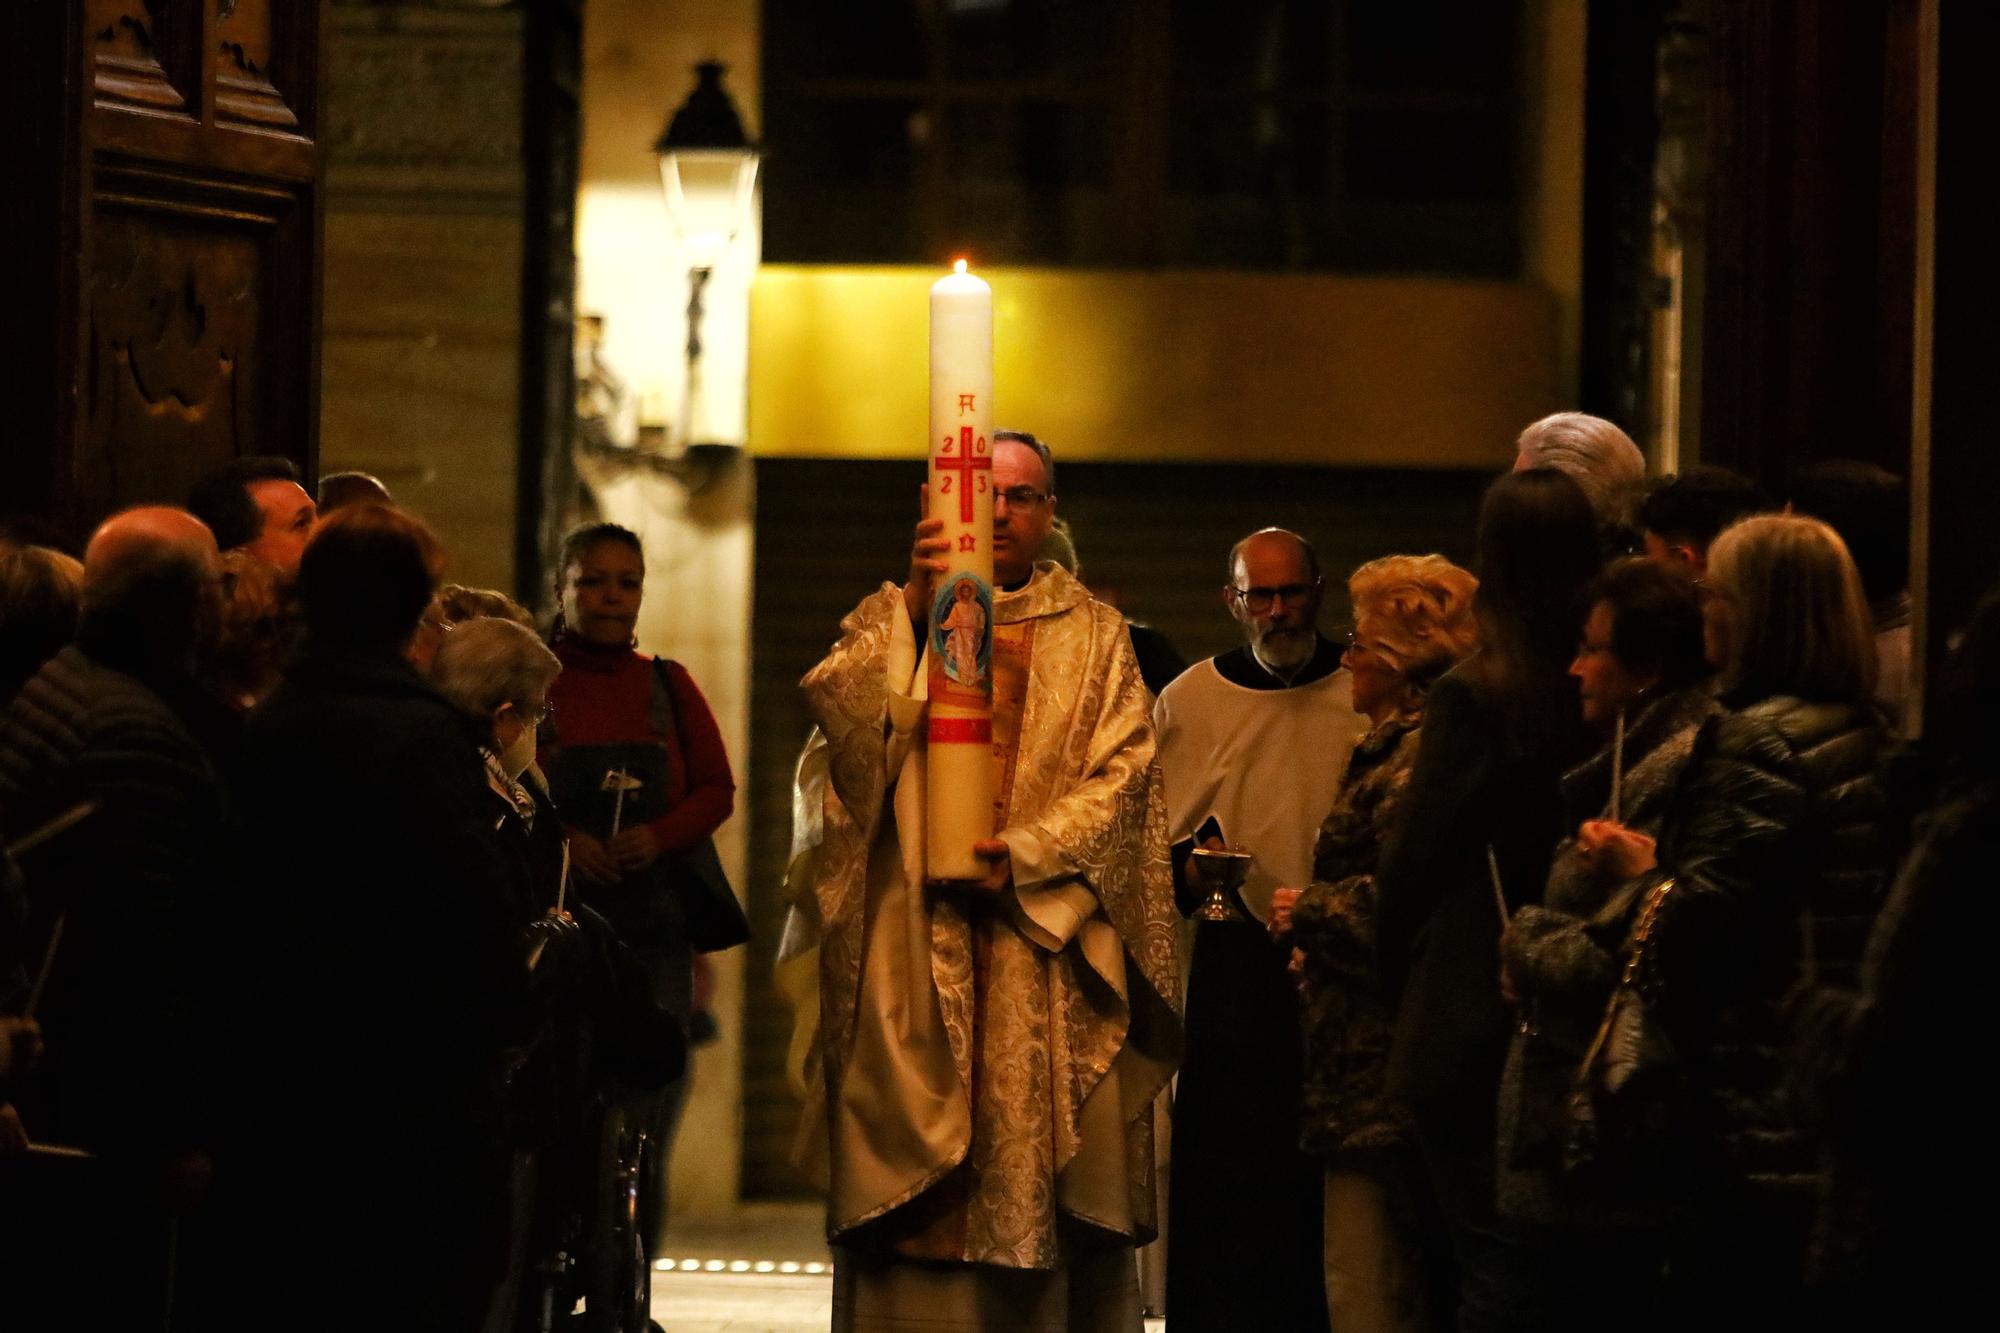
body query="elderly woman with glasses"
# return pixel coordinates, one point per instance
(592, 1018)
(499, 674)
(1643, 685)
(1413, 622)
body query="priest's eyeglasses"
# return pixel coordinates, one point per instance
(1261, 599)
(1021, 497)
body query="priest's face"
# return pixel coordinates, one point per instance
(1275, 597)
(1019, 530)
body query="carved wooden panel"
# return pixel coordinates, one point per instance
(171, 359)
(183, 184)
(145, 54)
(260, 79)
(190, 357)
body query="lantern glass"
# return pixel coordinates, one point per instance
(709, 196)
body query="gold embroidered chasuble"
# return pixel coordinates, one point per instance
(989, 1064)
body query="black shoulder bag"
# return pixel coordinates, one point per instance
(715, 919)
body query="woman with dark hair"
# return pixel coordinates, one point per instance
(1768, 868)
(1481, 817)
(1644, 688)
(636, 765)
(590, 1021)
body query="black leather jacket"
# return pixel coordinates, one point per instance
(1775, 842)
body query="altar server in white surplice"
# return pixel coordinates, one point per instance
(1257, 739)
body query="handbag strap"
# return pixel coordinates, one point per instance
(663, 713)
(1635, 957)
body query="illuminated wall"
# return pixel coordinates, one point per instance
(1189, 366)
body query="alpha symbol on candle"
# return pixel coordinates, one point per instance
(965, 463)
(966, 402)
(967, 542)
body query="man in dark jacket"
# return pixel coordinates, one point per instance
(369, 1170)
(117, 905)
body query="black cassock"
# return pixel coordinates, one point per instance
(1243, 1202)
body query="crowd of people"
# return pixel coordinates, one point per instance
(1600, 959)
(1537, 938)
(348, 945)
(1603, 965)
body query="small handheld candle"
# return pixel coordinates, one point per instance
(1617, 764)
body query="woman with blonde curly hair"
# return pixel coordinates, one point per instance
(1413, 622)
(258, 630)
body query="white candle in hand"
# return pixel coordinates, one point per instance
(1618, 767)
(961, 775)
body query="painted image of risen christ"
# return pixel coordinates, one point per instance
(965, 630)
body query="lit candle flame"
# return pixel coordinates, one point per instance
(958, 266)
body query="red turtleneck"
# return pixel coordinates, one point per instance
(604, 697)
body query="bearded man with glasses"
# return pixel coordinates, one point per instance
(1253, 744)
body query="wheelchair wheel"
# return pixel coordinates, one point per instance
(621, 1298)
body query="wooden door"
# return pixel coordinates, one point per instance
(171, 251)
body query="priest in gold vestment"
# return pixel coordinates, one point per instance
(988, 1053)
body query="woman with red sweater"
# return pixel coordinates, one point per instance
(636, 767)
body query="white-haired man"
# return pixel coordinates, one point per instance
(1599, 457)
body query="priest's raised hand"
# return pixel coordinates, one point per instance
(926, 552)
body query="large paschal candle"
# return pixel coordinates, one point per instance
(960, 772)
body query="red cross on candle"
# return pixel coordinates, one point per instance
(965, 464)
